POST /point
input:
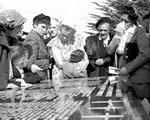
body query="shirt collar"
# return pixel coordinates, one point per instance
(107, 39)
(105, 42)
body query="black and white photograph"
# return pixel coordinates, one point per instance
(75, 60)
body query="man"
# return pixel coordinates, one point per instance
(40, 55)
(95, 48)
(53, 30)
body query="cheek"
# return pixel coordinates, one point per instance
(15, 32)
(25, 62)
(39, 29)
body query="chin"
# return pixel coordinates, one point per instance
(103, 38)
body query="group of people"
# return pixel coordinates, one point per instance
(58, 48)
(47, 49)
(127, 48)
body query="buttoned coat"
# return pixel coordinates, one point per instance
(139, 68)
(95, 50)
(40, 55)
(4, 62)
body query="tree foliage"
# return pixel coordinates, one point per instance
(112, 9)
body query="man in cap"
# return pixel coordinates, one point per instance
(95, 48)
(35, 38)
(11, 23)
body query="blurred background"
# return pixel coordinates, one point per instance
(80, 14)
(72, 12)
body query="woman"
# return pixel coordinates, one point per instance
(62, 46)
(11, 22)
(136, 61)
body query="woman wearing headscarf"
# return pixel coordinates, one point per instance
(11, 23)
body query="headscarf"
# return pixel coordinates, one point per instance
(11, 18)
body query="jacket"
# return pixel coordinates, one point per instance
(139, 68)
(95, 53)
(4, 62)
(40, 55)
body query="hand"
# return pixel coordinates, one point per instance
(123, 71)
(23, 83)
(123, 78)
(35, 68)
(99, 61)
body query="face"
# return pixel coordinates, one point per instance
(22, 61)
(103, 30)
(126, 20)
(16, 30)
(41, 28)
(54, 29)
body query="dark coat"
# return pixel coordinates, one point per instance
(29, 77)
(4, 62)
(146, 22)
(40, 55)
(139, 68)
(95, 50)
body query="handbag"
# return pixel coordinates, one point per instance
(131, 51)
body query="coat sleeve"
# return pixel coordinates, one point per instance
(144, 50)
(89, 48)
(111, 48)
(42, 63)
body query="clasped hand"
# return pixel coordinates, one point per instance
(123, 74)
(99, 61)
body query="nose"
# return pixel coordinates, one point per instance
(103, 32)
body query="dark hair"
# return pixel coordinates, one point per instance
(103, 20)
(41, 18)
(5, 27)
(77, 56)
(130, 11)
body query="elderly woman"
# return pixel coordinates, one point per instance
(11, 23)
(62, 46)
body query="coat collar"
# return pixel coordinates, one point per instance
(39, 38)
(135, 33)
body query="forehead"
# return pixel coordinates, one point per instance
(54, 23)
(42, 25)
(124, 16)
(105, 26)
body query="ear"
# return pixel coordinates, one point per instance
(35, 25)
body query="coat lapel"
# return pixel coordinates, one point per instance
(134, 35)
(40, 41)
